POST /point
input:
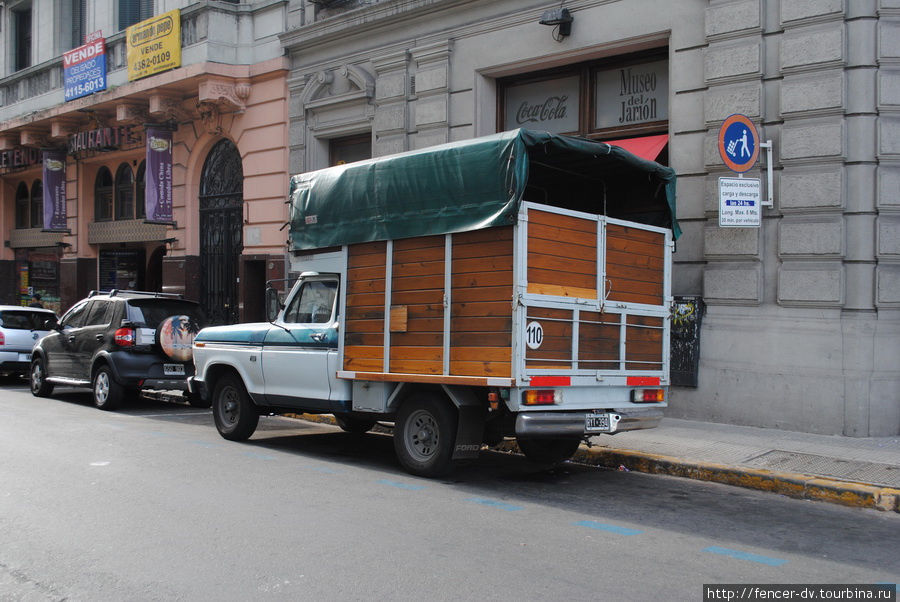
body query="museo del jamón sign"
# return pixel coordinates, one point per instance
(632, 94)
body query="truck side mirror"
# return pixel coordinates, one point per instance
(273, 305)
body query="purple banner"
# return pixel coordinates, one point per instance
(54, 176)
(158, 192)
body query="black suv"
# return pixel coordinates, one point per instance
(118, 343)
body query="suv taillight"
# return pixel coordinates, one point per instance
(124, 337)
(2, 339)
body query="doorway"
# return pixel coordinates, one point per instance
(221, 232)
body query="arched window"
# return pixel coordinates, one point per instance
(124, 192)
(103, 195)
(37, 204)
(139, 183)
(23, 220)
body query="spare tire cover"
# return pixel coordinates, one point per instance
(175, 335)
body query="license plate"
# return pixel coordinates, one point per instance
(596, 423)
(173, 369)
(24, 357)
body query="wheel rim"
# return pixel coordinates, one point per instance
(101, 387)
(421, 435)
(229, 405)
(37, 377)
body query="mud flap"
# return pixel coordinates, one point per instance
(470, 427)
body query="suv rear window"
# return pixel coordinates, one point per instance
(150, 312)
(24, 320)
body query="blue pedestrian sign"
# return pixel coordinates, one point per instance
(739, 143)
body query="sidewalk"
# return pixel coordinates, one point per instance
(847, 470)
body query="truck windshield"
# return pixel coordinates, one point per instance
(313, 304)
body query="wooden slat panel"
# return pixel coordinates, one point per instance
(481, 308)
(635, 264)
(416, 255)
(548, 312)
(573, 292)
(354, 326)
(364, 286)
(364, 352)
(364, 365)
(365, 338)
(635, 298)
(419, 242)
(418, 339)
(431, 354)
(476, 368)
(557, 220)
(655, 238)
(365, 313)
(559, 278)
(417, 367)
(575, 265)
(541, 232)
(418, 283)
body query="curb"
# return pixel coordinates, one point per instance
(796, 485)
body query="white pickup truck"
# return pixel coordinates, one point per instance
(516, 285)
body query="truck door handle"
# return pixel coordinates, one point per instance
(317, 336)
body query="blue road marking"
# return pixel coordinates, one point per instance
(205, 444)
(746, 556)
(494, 504)
(592, 524)
(324, 470)
(406, 486)
(259, 456)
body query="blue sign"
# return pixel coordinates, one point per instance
(84, 70)
(738, 143)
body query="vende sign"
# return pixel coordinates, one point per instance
(84, 69)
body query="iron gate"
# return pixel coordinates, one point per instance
(221, 232)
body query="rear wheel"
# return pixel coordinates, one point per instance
(235, 415)
(353, 425)
(108, 394)
(549, 451)
(424, 435)
(39, 385)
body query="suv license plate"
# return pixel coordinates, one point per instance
(173, 369)
(596, 423)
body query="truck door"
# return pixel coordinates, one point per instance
(295, 356)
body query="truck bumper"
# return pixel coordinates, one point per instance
(198, 388)
(572, 424)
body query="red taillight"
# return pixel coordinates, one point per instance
(541, 397)
(124, 337)
(648, 395)
(2, 339)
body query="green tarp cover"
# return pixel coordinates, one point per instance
(467, 185)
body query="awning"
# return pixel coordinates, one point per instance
(647, 147)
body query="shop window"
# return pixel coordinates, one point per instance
(23, 208)
(21, 23)
(134, 11)
(610, 99)
(37, 205)
(103, 195)
(124, 197)
(349, 149)
(139, 189)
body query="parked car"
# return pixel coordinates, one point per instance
(20, 329)
(119, 343)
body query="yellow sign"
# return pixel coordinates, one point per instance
(154, 45)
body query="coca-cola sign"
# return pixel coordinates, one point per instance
(632, 94)
(550, 105)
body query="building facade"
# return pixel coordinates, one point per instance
(801, 319)
(801, 327)
(221, 110)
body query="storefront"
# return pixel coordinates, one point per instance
(170, 181)
(802, 308)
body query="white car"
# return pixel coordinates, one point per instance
(20, 329)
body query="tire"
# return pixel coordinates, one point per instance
(39, 385)
(424, 436)
(549, 451)
(108, 394)
(357, 426)
(235, 415)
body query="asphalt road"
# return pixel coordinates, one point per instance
(149, 503)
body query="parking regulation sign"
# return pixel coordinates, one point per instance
(739, 143)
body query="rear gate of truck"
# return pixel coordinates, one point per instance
(591, 321)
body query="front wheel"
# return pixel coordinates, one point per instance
(108, 394)
(235, 415)
(39, 385)
(424, 436)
